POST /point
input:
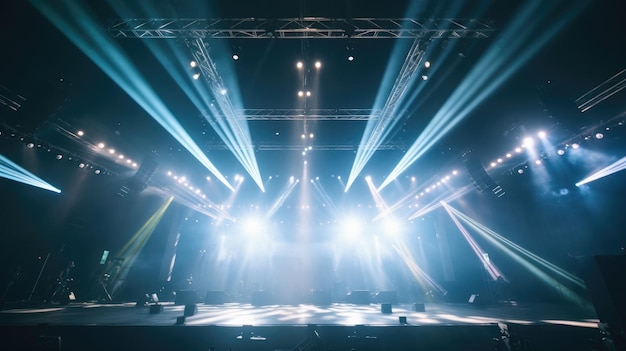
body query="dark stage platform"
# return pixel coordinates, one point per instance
(93, 326)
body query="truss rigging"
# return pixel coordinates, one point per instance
(298, 28)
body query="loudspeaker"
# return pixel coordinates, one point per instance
(358, 297)
(180, 320)
(385, 308)
(186, 297)
(190, 310)
(419, 307)
(402, 319)
(215, 297)
(482, 180)
(604, 277)
(386, 297)
(156, 308)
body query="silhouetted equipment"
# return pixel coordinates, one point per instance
(186, 297)
(215, 297)
(358, 297)
(156, 308)
(385, 308)
(190, 310)
(604, 277)
(482, 180)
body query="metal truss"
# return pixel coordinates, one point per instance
(299, 28)
(285, 114)
(388, 146)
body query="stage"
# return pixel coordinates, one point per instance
(235, 326)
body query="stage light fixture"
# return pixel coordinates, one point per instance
(193, 64)
(537, 162)
(427, 64)
(308, 93)
(121, 157)
(520, 171)
(424, 77)
(111, 151)
(30, 145)
(518, 150)
(508, 155)
(599, 135)
(59, 156)
(542, 134)
(300, 93)
(575, 146)
(528, 142)
(350, 58)
(101, 145)
(223, 91)
(81, 165)
(235, 57)
(97, 171)
(299, 65)
(80, 133)
(311, 136)
(196, 76)
(318, 64)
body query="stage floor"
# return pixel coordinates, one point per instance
(235, 314)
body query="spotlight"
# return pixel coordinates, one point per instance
(541, 134)
(413, 179)
(196, 76)
(97, 171)
(81, 165)
(59, 156)
(101, 145)
(303, 136)
(111, 151)
(424, 77)
(493, 164)
(80, 133)
(223, 91)
(575, 146)
(518, 150)
(318, 64)
(528, 142)
(520, 171)
(350, 58)
(537, 162)
(499, 160)
(427, 64)
(599, 135)
(235, 57)
(308, 93)
(300, 93)
(121, 157)
(560, 152)
(30, 145)
(311, 136)
(299, 65)
(508, 155)
(193, 64)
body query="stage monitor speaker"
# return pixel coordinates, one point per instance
(215, 297)
(186, 297)
(156, 308)
(419, 307)
(190, 310)
(402, 320)
(386, 297)
(180, 320)
(385, 308)
(359, 297)
(604, 277)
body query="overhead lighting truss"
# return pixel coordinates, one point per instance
(298, 28)
(286, 114)
(388, 146)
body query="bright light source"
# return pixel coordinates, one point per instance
(455, 172)
(599, 135)
(575, 146)
(413, 179)
(542, 134)
(193, 64)
(318, 64)
(560, 152)
(252, 226)
(300, 93)
(291, 179)
(528, 142)
(128, 160)
(518, 149)
(97, 171)
(30, 145)
(499, 160)
(350, 58)
(303, 136)
(81, 165)
(424, 77)
(101, 145)
(537, 162)
(111, 151)
(392, 226)
(520, 171)
(196, 76)
(308, 93)
(508, 155)
(235, 57)
(223, 91)
(351, 227)
(59, 156)
(80, 133)
(135, 164)
(299, 64)
(121, 157)
(493, 164)
(427, 64)
(311, 135)
(368, 178)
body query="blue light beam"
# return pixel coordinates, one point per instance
(12, 171)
